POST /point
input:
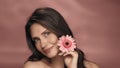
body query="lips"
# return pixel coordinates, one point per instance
(47, 50)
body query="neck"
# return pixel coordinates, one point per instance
(57, 62)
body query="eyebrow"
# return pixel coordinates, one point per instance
(44, 31)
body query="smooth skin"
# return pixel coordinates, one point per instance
(46, 43)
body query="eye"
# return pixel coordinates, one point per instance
(35, 40)
(46, 34)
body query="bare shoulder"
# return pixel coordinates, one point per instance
(32, 64)
(89, 64)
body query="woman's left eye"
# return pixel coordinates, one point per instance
(46, 34)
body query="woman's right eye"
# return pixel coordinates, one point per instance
(36, 40)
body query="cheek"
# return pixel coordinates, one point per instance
(38, 47)
(53, 39)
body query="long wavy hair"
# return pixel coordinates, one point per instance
(53, 21)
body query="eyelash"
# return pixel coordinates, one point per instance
(46, 34)
(35, 40)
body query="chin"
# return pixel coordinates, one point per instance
(52, 55)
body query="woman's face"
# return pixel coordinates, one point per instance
(45, 41)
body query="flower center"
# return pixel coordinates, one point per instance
(67, 43)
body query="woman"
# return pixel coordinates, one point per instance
(43, 30)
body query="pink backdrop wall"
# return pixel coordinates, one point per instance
(95, 24)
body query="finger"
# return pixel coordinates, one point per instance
(66, 53)
(61, 53)
(73, 53)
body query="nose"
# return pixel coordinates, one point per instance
(43, 43)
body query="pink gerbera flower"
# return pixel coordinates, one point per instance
(66, 43)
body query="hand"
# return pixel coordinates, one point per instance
(70, 59)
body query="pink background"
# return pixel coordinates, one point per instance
(95, 24)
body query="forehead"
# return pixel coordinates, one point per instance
(36, 28)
